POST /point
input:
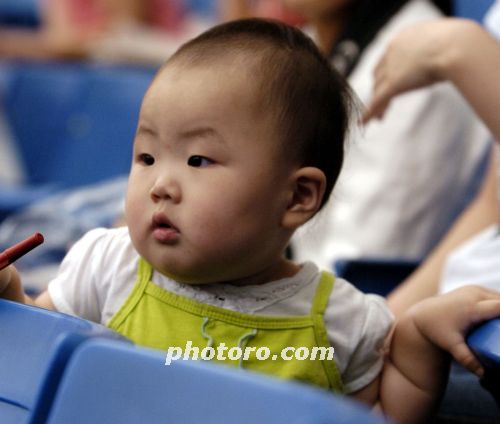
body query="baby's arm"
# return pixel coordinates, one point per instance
(416, 371)
(11, 289)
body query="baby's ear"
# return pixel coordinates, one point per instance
(308, 190)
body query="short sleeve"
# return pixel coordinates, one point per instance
(358, 325)
(74, 290)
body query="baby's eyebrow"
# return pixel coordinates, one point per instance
(201, 132)
(145, 130)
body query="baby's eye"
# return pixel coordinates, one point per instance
(199, 161)
(146, 159)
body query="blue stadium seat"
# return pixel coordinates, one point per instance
(372, 275)
(73, 123)
(35, 345)
(472, 9)
(20, 13)
(109, 382)
(484, 341)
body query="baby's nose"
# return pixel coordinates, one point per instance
(165, 189)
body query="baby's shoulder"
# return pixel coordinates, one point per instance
(354, 309)
(103, 235)
(101, 240)
(104, 248)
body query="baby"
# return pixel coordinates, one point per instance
(239, 143)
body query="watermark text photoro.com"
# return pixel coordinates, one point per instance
(236, 353)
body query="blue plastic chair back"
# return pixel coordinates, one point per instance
(74, 123)
(108, 382)
(484, 341)
(35, 345)
(472, 9)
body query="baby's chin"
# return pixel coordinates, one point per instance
(191, 279)
(203, 278)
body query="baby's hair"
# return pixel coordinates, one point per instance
(310, 101)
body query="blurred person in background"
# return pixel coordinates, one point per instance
(276, 9)
(405, 177)
(462, 52)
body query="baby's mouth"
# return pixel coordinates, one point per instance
(163, 230)
(163, 226)
(160, 220)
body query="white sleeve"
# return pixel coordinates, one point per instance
(75, 289)
(357, 326)
(476, 261)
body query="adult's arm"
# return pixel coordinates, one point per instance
(457, 50)
(424, 282)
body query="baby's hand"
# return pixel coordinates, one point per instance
(5, 279)
(445, 320)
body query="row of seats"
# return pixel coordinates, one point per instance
(55, 368)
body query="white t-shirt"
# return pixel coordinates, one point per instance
(476, 261)
(100, 271)
(405, 176)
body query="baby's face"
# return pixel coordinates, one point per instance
(208, 185)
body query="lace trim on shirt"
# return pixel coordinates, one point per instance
(246, 299)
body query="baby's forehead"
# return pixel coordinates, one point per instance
(209, 84)
(230, 62)
(223, 76)
(247, 75)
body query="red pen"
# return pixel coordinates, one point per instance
(20, 249)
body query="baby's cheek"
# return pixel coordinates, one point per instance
(220, 218)
(214, 234)
(207, 231)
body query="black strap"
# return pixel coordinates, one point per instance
(367, 19)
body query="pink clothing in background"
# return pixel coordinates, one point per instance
(166, 14)
(95, 15)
